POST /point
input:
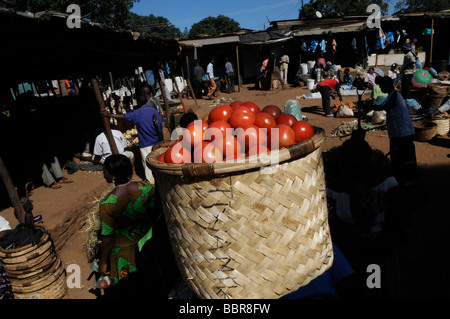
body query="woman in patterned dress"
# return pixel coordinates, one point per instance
(125, 219)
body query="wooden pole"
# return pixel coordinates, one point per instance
(106, 124)
(179, 93)
(19, 212)
(187, 67)
(238, 68)
(166, 104)
(192, 92)
(432, 39)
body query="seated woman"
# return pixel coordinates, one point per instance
(125, 219)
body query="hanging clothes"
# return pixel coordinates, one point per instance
(354, 45)
(304, 47)
(334, 46)
(313, 46)
(381, 40)
(323, 46)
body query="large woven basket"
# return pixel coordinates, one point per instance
(35, 271)
(248, 230)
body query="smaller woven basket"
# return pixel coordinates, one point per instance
(248, 230)
(424, 131)
(34, 270)
(442, 125)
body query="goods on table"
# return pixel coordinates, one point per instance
(243, 228)
(131, 137)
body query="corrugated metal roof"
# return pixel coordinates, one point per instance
(324, 28)
(210, 41)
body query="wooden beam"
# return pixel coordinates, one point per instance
(432, 39)
(19, 212)
(179, 93)
(238, 68)
(106, 124)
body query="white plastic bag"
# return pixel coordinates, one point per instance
(344, 111)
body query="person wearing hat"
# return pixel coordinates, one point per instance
(407, 70)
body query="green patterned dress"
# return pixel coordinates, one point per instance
(127, 220)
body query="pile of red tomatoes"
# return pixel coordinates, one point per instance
(235, 131)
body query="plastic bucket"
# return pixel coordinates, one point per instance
(180, 83)
(304, 68)
(310, 83)
(169, 84)
(311, 67)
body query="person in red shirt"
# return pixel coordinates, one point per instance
(325, 88)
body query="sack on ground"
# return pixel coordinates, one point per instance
(344, 111)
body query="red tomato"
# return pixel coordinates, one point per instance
(202, 123)
(242, 117)
(192, 135)
(303, 130)
(258, 149)
(206, 118)
(287, 119)
(273, 110)
(252, 106)
(211, 133)
(228, 145)
(234, 105)
(220, 113)
(207, 152)
(251, 135)
(177, 154)
(283, 134)
(264, 120)
(161, 158)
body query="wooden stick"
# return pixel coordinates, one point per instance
(179, 93)
(192, 92)
(238, 69)
(166, 103)
(19, 212)
(432, 39)
(106, 124)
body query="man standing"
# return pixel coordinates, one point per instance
(408, 69)
(143, 116)
(284, 68)
(325, 88)
(212, 84)
(230, 74)
(197, 80)
(401, 132)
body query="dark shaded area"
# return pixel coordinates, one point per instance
(410, 251)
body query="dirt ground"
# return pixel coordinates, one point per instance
(424, 260)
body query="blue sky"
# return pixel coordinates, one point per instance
(251, 14)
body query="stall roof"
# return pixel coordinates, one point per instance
(243, 37)
(39, 46)
(210, 41)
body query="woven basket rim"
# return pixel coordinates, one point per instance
(290, 152)
(17, 252)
